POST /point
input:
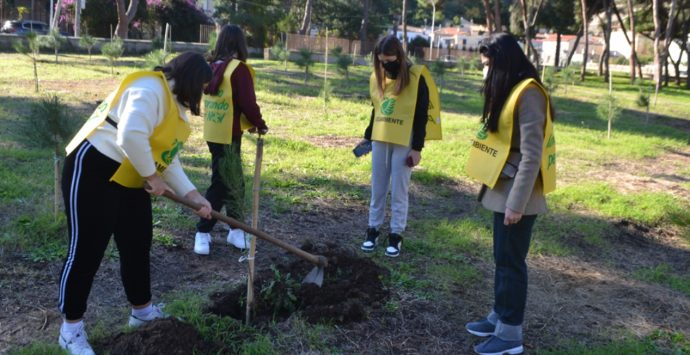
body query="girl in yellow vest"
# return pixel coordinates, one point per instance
(513, 155)
(396, 132)
(131, 139)
(229, 109)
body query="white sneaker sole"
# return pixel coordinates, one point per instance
(512, 351)
(201, 252)
(479, 334)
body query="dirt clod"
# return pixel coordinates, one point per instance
(165, 336)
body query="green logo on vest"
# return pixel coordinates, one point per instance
(388, 106)
(551, 142)
(482, 134)
(168, 155)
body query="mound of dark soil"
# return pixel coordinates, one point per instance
(352, 286)
(164, 336)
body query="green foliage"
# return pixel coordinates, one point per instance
(157, 43)
(342, 61)
(438, 68)
(184, 19)
(608, 109)
(326, 92)
(280, 53)
(53, 40)
(550, 79)
(113, 50)
(87, 42)
(31, 50)
(462, 65)
(568, 76)
(224, 330)
(212, 40)
(283, 298)
(305, 60)
(49, 125)
(643, 94)
(662, 274)
(156, 58)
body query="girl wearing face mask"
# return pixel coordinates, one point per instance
(401, 119)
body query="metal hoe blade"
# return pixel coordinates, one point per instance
(315, 276)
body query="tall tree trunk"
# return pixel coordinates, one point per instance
(404, 24)
(676, 65)
(525, 21)
(497, 16)
(656, 16)
(633, 55)
(366, 4)
(607, 38)
(672, 16)
(124, 16)
(55, 21)
(585, 30)
(306, 21)
(489, 16)
(572, 49)
(631, 41)
(557, 59)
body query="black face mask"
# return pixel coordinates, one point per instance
(391, 68)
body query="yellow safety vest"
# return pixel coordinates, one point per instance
(218, 109)
(394, 115)
(489, 151)
(166, 140)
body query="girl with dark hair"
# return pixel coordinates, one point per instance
(406, 112)
(514, 156)
(124, 153)
(229, 109)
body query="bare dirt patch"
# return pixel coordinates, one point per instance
(333, 141)
(664, 173)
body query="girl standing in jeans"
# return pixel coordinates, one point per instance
(513, 155)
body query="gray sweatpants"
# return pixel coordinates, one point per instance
(389, 169)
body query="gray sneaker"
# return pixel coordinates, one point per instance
(497, 346)
(482, 328)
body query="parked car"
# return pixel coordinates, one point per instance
(23, 26)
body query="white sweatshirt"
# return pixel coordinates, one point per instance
(140, 110)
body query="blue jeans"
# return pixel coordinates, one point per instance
(511, 244)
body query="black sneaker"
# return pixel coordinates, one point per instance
(394, 245)
(371, 239)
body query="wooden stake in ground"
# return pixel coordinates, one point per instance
(255, 224)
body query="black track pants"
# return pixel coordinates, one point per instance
(97, 208)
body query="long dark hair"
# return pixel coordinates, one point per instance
(390, 45)
(230, 43)
(190, 72)
(508, 66)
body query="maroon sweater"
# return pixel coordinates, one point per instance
(243, 96)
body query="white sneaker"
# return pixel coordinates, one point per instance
(239, 239)
(202, 243)
(76, 344)
(156, 313)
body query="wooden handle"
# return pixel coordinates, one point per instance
(318, 260)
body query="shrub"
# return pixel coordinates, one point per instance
(113, 51)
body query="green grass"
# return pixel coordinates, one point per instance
(662, 274)
(658, 342)
(649, 208)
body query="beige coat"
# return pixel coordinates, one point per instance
(523, 193)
